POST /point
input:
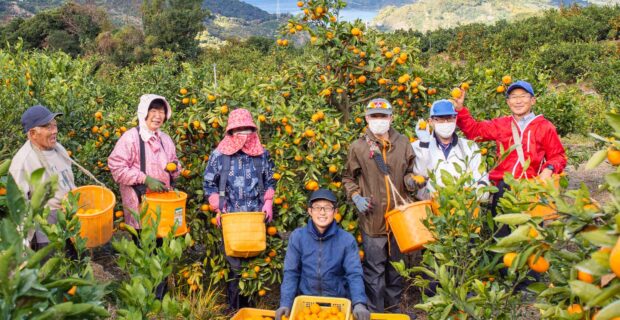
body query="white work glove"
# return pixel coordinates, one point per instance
(423, 135)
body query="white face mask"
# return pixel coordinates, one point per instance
(445, 130)
(379, 126)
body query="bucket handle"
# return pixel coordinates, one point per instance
(395, 194)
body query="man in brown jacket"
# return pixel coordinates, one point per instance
(381, 150)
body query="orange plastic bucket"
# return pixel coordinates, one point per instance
(245, 234)
(407, 226)
(172, 211)
(96, 225)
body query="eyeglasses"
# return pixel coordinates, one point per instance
(319, 209)
(50, 126)
(519, 97)
(443, 119)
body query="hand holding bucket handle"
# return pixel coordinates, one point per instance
(268, 204)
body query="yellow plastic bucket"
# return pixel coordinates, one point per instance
(97, 225)
(172, 210)
(245, 234)
(251, 313)
(407, 226)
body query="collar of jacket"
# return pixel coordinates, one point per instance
(455, 139)
(329, 232)
(392, 133)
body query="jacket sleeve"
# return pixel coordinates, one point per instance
(420, 163)
(270, 182)
(476, 130)
(354, 273)
(554, 150)
(292, 272)
(410, 160)
(349, 177)
(211, 177)
(122, 159)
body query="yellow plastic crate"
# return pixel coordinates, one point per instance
(251, 313)
(389, 316)
(301, 302)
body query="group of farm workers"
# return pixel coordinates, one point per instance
(321, 258)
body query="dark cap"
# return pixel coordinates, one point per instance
(520, 85)
(322, 194)
(37, 116)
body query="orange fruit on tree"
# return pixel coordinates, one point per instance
(300, 4)
(272, 253)
(338, 217)
(533, 232)
(465, 85)
(224, 109)
(261, 292)
(312, 185)
(205, 207)
(171, 167)
(277, 176)
(214, 221)
(506, 80)
(574, 309)
(539, 265)
(333, 169)
(2, 191)
(389, 55)
(584, 276)
(613, 156)
(356, 32)
(185, 101)
(183, 91)
(361, 79)
(98, 114)
(361, 253)
(614, 258)
(277, 201)
(72, 291)
(272, 231)
(256, 269)
(118, 214)
(309, 133)
(483, 151)
(500, 89)
(210, 97)
(509, 258)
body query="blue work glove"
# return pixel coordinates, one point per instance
(360, 312)
(424, 135)
(282, 311)
(362, 204)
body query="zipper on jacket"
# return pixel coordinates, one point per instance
(320, 258)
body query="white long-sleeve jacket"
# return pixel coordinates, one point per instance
(429, 158)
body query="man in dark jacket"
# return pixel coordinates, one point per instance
(381, 153)
(322, 260)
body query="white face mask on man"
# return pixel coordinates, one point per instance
(379, 126)
(445, 130)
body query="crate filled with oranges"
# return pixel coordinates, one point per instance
(310, 307)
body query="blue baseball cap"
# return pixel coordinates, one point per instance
(443, 108)
(322, 194)
(520, 84)
(37, 116)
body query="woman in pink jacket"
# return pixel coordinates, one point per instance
(135, 176)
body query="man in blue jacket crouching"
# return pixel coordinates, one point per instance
(323, 260)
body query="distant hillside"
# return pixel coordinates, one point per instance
(376, 4)
(237, 9)
(426, 15)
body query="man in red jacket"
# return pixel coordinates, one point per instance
(536, 138)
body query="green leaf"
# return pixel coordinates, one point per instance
(518, 235)
(613, 120)
(613, 179)
(610, 311)
(599, 238)
(512, 218)
(585, 291)
(596, 159)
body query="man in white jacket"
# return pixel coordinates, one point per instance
(444, 150)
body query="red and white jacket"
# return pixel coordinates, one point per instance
(539, 139)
